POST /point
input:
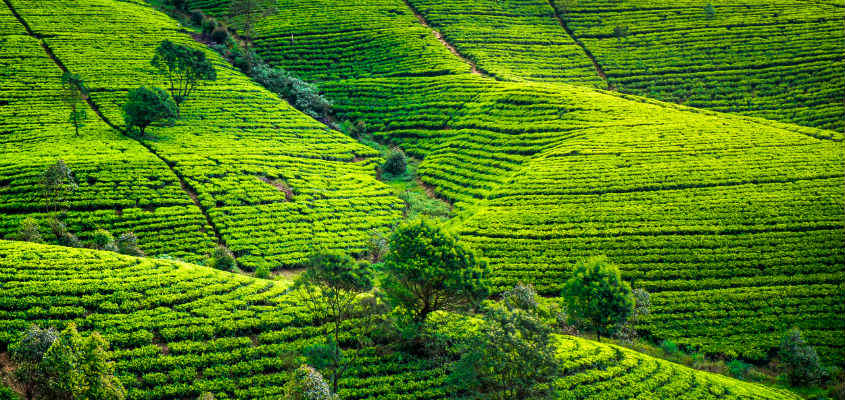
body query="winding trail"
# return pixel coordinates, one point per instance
(183, 183)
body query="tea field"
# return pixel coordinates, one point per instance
(178, 330)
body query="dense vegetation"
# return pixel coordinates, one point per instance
(178, 330)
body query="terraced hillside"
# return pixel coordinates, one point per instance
(781, 60)
(233, 142)
(177, 330)
(711, 212)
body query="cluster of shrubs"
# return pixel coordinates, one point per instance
(101, 239)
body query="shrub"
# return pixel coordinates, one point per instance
(30, 231)
(800, 359)
(63, 236)
(396, 162)
(262, 272)
(307, 384)
(596, 294)
(7, 394)
(670, 347)
(709, 11)
(197, 17)
(738, 368)
(103, 240)
(221, 258)
(127, 243)
(220, 34)
(208, 24)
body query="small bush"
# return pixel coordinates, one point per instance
(396, 163)
(221, 258)
(262, 272)
(670, 347)
(127, 243)
(8, 394)
(63, 236)
(220, 34)
(302, 95)
(208, 25)
(709, 11)
(103, 240)
(738, 368)
(800, 359)
(30, 231)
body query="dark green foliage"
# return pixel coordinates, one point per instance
(30, 231)
(597, 295)
(800, 359)
(709, 11)
(7, 394)
(396, 162)
(77, 367)
(220, 34)
(670, 347)
(249, 13)
(184, 67)
(738, 368)
(145, 106)
(63, 236)
(262, 272)
(58, 180)
(302, 95)
(427, 270)
(221, 258)
(74, 94)
(307, 384)
(513, 357)
(331, 286)
(103, 240)
(620, 32)
(355, 129)
(27, 353)
(208, 24)
(197, 16)
(127, 243)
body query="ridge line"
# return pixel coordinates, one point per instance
(94, 107)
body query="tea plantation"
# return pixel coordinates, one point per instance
(178, 330)
(697, 146)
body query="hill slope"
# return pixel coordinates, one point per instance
(177, 330)
(233, 141)
(711, 212)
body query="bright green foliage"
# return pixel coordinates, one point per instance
(780, 60)
(331, 286)
(145, 106)
(596, 295)
(56, 183)
(7, 393)
(513, 357)
(30, 231)
(78, 368)
(307, 384)
(249, 12)
(184, 67)
(427, 270)
(74, 94)
(799, 359)
(103, 240)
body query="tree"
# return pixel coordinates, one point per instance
(221, 258)
(27, 353)
(642, 303)
(307, 384)
(145, 106)
(800, 359)
(30, 231)
(250, 13)
(596, 294)
(185, 68)
(127, 243)
(427, 270)
(78, 368)
(74, 93)
(63, 236)
(396, 162)
(709, 11)
(57, 181)
(331, 286)
(514, 357)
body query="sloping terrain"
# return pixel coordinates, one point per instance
(711, 212)
(232, 138)
(177, 330)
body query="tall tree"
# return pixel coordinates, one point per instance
(184, 67)
(597, 295)
(27, 353)
(145, 106)
(331, 287)
(427, 270)
(57, 181)
(74, 93)
(250, 12)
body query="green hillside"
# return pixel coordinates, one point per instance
(229, 136)
(710, 212)
(178, 330)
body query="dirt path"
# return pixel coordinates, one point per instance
(599, 69)
(473, 68)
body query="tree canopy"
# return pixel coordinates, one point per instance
(145, 106)
(597, 295)
(74, 93)
(184, 67)
(426, 270)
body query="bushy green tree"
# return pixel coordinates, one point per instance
(306, 383)
(56, 182)
(426, 270)
(184, 67)
(709, 11)
(331, 286)
(127, 243)
(78, 368)
(30, 231)
(396, 162)
(248, 13)
(513, 357)
(221, 258)
(103, 240)
(800, 359)
(74, 93)
(597, 295)
(27, 353)
(145, 106)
